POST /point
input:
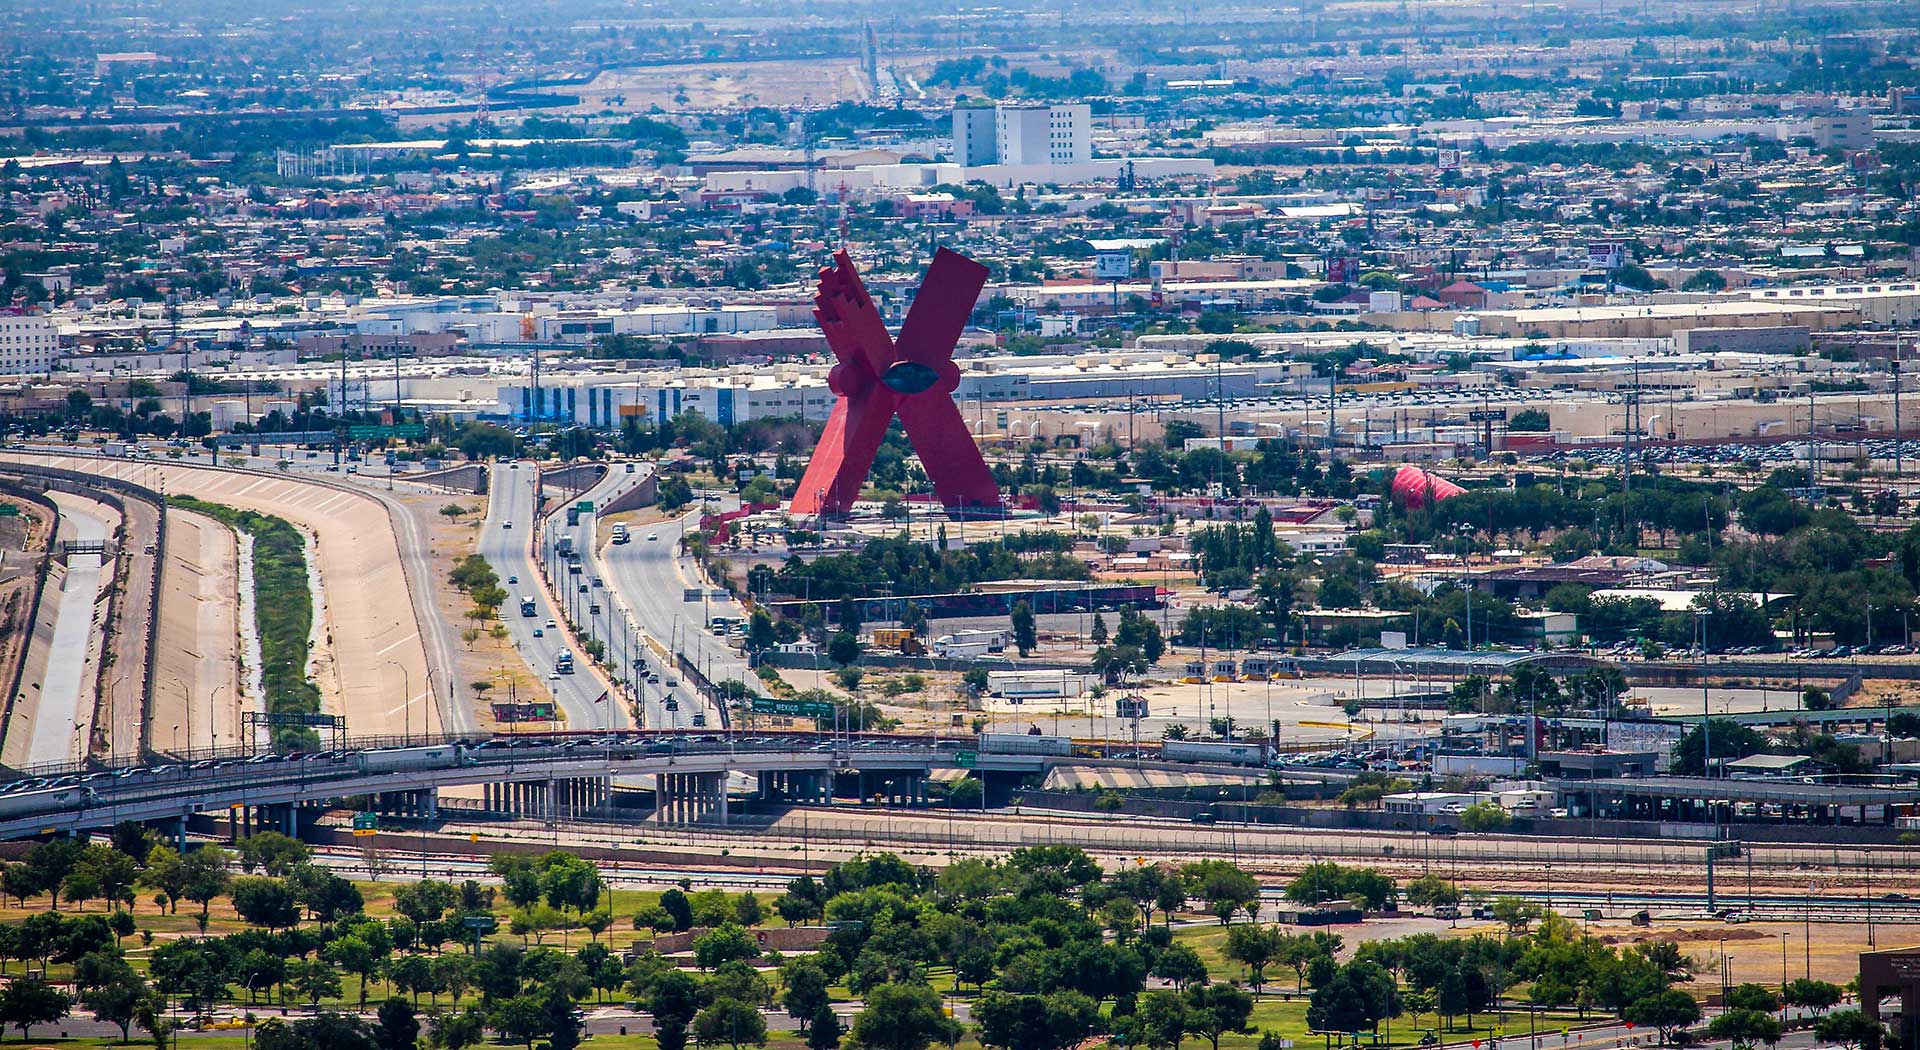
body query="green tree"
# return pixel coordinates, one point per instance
(205, 875)
(825, 1031)
(1755, 997)
(732, 1022)
(1817, 996)
(1745, 1028)
(1432, 890)
(1159, 1022)
(902, 1017)
(1035, 1022)
(844, 648)
(119, 999)
(804, 989)
(1666, 1012)
(1850, 1028)
(28, 1001)
(1216, 1010)
(272, 852)
(724, 943)
(265, 902)
(1025, 637)
(1485, 815)
(518, 1019)
(1224, 886)
(314, 980)
(457, 1030)
(1515, 913)
(1254, 946)
(395, 1026)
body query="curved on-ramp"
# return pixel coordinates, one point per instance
(369, 659)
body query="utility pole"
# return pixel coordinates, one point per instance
(1899, 454)
(1813, 460)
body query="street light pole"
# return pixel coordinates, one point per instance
(406, 699)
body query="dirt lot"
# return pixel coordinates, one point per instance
(485, 658)
(199, 641)
(697, 86)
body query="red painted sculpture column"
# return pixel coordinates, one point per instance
(877, 379)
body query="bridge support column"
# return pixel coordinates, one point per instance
(664, 797)
(713, 793)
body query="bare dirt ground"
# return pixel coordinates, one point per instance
(483, 657)
(1762, 951)
(696, 86)
(198, 671)
(118, 723)
(23, 538)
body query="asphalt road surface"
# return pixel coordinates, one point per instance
(504, 540)
(652, 580)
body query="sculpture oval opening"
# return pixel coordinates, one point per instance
(910, 377)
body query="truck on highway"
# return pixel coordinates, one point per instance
(407, 759)
(620, 533)
(27, 803)
(1025, 744)
(564, 662)
(114, 448)
(564, 546)
(1224, 752)
(526, 605)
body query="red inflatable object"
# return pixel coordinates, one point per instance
(914, 378)
(1414, 488)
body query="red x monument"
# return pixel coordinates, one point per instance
(914, 378)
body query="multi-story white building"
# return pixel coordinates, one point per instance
(1022, 135)
(975, 136)
(608, 401)
(29, 344)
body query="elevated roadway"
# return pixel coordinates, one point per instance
(102, 798)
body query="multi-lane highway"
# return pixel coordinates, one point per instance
(653, 579)
(507, 540)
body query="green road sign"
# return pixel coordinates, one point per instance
(9, 510)
(366, 822)
(767, 705)
(585, 506)
(480, 923)
(374, 433)
(965, 759)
